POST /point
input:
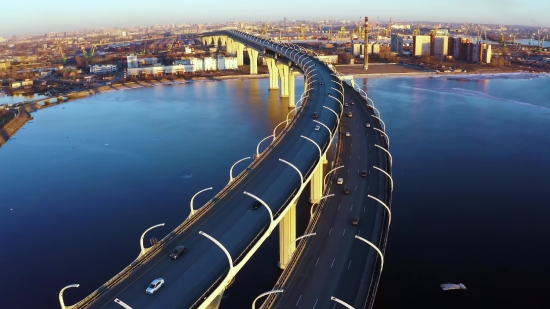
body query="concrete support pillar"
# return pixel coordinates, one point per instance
(215, 304)
(291, 90)
(239, 49)
(316, 184)
(283, 74)
(324, 160)
(229, 47)
(273, 73)
(205, 40)
(253, 55)
(287, 236)
(223, 40)
(215, 40)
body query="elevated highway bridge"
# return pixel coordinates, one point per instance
(222, 235)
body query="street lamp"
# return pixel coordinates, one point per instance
(376, 110)
(293, 110)
(381, 121)
(61, 301)
(314, 143)
(294, 167)
(295, 240)
(143, 249)
(335, 114)
(389, 154)
(231, 170)
(230, 273)
(386, 135)
(275, 129)
(341, 104)
(332, 170)
(375, 248)
(341, 302)
(391, 179)
(193, 198)
(383, 204)
(337, 90)
(263, 203)
(258, 147)
(265, 294)
(316, 202)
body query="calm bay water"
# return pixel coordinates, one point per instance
(81, 183)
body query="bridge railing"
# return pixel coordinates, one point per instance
(127, 271)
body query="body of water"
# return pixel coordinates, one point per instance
(83, 180)
(18, 98)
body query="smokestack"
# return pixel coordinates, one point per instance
(366, 44)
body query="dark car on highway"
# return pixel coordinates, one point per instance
(364, 174)
(347, 191)
(255, 206)
(179, 250)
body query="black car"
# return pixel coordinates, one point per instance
(364, 174)
(315, 116)
(347, 191)
(179, 250)
(321, 83)
(255, 206)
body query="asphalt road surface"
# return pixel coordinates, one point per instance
(231, 220)
(334, 262)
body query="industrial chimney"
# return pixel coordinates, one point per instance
(366, 45)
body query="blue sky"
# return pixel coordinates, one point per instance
(42, 16)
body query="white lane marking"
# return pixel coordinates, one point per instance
(351, 145)
(338, 207)
(359, 157)
(298, 300)
(351, 208)
(348, 168)
(334, 305)
(359, 232)
(350, 157)
(330, 231)
(357, 171)
(344, 232)
(364, 208)
(367, 134)
(332, 263)
(315, 303)
(355, 187)
(315, 265)
(349, 264)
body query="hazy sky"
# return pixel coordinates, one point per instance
(42, 16)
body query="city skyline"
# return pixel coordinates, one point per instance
(37, 17)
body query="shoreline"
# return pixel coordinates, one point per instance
(12, 127)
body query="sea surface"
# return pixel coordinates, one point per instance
(83, 180)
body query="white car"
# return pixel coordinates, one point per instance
(340, 181)
(154, 286)
(368, 125)
(346, 104)
(317, 128)
(348, 134)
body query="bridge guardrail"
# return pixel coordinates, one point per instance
(155, 248)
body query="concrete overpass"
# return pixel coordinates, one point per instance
(222, 235)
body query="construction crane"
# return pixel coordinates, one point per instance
(541, 38)
(171, 45)
(478, 36)
(502, 40)
(264, 31)
(302, 32)
(60, 50)
(416, 31)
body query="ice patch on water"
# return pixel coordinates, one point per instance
(476, 77)
(186, 175)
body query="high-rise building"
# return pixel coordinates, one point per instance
(440, 48)
(132, 61)
(284, 19)
(396, 44)
(421, 45)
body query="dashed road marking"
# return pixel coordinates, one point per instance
(330, 231)
(315, 265)
(351, 208)
(349, 264)
(344, 232)
(315, 303)
(332, 263)
(298, 300)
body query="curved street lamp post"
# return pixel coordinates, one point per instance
(265, 294)
(231, 170)
(332, 170)
(386, 135)
(381, 121)
(258, 147)
(295, 240)
(143, 249)
(231, 266)
(193, 198)
(386, 173)
(383, 204)
(61, 301)
(341, 302)
(294, 167)
(317, 202)
(389, 154)
(263, 203)
(375, 248)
